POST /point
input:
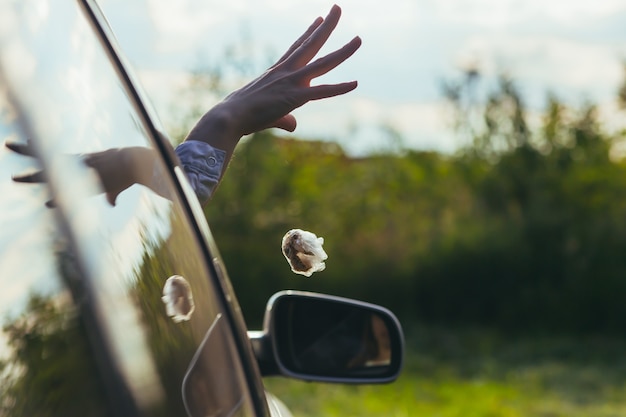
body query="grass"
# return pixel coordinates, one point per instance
(478, 373)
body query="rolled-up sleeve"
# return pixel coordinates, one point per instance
(203, 166)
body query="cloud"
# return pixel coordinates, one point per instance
(360, 126)
(504, 13)
(580, 69)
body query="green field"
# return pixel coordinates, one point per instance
(477, 373)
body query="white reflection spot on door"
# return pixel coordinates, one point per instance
(177, 298)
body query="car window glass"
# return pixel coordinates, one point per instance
(99, 261)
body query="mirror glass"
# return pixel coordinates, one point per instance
(327, 337)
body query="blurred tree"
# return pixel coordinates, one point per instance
(552, 217)
(49, 371)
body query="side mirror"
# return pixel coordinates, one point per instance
(317, 337)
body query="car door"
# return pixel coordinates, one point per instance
(112, 302)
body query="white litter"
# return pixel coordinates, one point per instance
(303, 250)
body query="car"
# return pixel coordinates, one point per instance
(121, 304)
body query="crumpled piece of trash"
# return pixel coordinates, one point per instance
(303, 250)
(178, 299)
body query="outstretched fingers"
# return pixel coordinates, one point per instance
(323, 65)
(330, 90)
(25, 149)
(269, 100)
(300, 40)
(35, 177)
(312, 45)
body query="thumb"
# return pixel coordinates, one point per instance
(287, 122)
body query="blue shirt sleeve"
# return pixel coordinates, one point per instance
(203, 166)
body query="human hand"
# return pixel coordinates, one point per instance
(269, 100)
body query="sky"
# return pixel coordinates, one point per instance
(574, 48)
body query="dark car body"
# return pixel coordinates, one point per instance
(126, 309)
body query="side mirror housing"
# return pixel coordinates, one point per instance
(318, 337)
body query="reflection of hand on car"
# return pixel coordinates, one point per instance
(117, 169)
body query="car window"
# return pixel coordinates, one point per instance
(107, 303)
